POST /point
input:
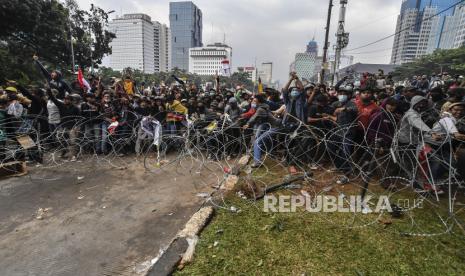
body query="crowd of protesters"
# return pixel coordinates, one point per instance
(421, 117)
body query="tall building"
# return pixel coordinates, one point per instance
(162, 47)
(266, 73)
(305, 65)
(186, 32)
(134, 43)
(454, 29)
(251, 72)
(312, 47)
(210, 60)
(419, 31)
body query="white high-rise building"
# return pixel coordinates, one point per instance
(134, 43)
(162, 47)
(251, 72)
(424, 26)
(454, 29)
(266, 73)
(305, 65)
(209, 60)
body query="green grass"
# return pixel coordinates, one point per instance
(253, 242)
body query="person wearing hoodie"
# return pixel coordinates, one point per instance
(232, 109)
(54, 79)
(413, 135)
(382, 126)
(262, 116)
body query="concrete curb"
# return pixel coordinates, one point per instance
(181, 249)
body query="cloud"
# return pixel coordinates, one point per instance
(275, 30)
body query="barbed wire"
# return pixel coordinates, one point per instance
(212, 148)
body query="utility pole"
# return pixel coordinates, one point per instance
(342, 40)
(72, 47)
(326, 46)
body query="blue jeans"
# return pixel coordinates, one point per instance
(92, 137)
(261, 143)
(105, 136)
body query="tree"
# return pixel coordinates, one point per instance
(42, 27)
(451, 61)
(91, 40)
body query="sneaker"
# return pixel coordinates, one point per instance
(256, 165)
(433, 189)
(73, 159)
(343, 180)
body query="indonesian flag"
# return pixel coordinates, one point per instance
(82, 81)
(112, 127)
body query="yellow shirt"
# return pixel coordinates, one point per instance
(177, 107)
(129, 87)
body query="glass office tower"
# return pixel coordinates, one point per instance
(186, 32)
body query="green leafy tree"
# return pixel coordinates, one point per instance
(42, 27)
(451, 61)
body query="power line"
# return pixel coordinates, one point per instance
(383, 50)
(407, 28)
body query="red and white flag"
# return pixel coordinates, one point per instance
(82, 81)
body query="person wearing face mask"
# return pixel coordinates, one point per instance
(262, 116)
(296, 102)
(341, 142)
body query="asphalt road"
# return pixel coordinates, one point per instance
(105, 217)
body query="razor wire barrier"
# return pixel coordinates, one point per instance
(206, 147)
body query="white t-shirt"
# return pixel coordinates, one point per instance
(446, 126)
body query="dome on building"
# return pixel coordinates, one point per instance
(312, 47)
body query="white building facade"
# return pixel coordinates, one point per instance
(209, 60)
(162, 47)
(424, 26)
(134, 43)
(454, 29)
(266, 73)
(251, 72)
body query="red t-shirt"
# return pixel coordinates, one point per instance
(365, 112)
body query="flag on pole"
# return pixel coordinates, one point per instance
(82, 81)
(260, 85)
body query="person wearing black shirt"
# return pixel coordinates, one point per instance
(70, 115)
(92, 121)
(319, 114)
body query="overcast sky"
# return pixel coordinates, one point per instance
(274, 30)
